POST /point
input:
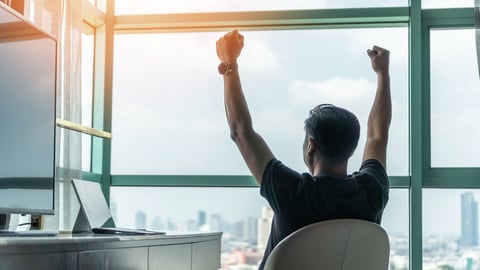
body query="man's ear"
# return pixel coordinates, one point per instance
(311, 146)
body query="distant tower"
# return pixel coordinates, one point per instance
(202, 218)
(469, 220)
(171, 226)
(191, 225)
(157, 224)
(250, 229)
(141, 220)
(264, 226)
(216, 223)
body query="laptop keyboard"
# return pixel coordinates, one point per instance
(125, 231)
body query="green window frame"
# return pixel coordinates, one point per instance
(421, 174)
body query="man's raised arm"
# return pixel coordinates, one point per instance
(381, 112)
(253, 148)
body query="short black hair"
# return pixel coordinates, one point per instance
(334, 130)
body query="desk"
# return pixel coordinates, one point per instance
(189, 251)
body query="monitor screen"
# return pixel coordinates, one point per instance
(27, 117)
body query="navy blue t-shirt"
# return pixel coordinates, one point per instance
(298, 199)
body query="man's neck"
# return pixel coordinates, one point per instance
(337, 169)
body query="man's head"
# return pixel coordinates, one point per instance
(334, 131)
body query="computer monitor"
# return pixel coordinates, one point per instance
(27, 116)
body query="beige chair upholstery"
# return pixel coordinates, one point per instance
(341, 244)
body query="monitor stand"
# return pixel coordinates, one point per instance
(6, 228)
(4, 221)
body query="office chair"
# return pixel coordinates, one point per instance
(341, 244)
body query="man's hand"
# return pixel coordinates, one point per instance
(379, 58)
(229, 47)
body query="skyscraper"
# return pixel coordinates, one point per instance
(157, 224)
(264, 226)
(202, 218)
(141, 220)
(250, 229)
(469, 213)
(216, 223)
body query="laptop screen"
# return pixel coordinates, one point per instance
(93, 203)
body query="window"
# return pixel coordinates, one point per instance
(447, 3)
(454, 99)
(450, 239)
(168, 107)
(182, 6)
(238, 212)
(168, 117)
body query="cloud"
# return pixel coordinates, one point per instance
(454, 136)
(335, 90)
(260, 53)
(453, 64)
(356, 95)
(393, 39)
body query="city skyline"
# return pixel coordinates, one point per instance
(239, 247)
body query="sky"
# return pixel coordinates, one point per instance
(168, 115)
(280, 85)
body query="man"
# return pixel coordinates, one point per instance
(331, 136)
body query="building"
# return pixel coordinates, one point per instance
(141, 220)
(202, 218)
(469, 212)
(264, 226)
(250, 229)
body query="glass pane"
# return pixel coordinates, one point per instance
(447, 3)
(168, 110)
(454, 99)
(238, 218)
(450, 236)
(87, 91)
(183, 6)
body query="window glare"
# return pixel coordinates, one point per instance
(447, 3)
(454, 99)
(183, 6)
(284, 75)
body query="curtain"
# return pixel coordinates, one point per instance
(63, 19)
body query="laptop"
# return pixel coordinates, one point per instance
(94, 215)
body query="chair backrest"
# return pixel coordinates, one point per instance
(340, 244)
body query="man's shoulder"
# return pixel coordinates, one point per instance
(372, 163)
(278, 175)
(275, 168)
(372, 166)
(373, 169)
